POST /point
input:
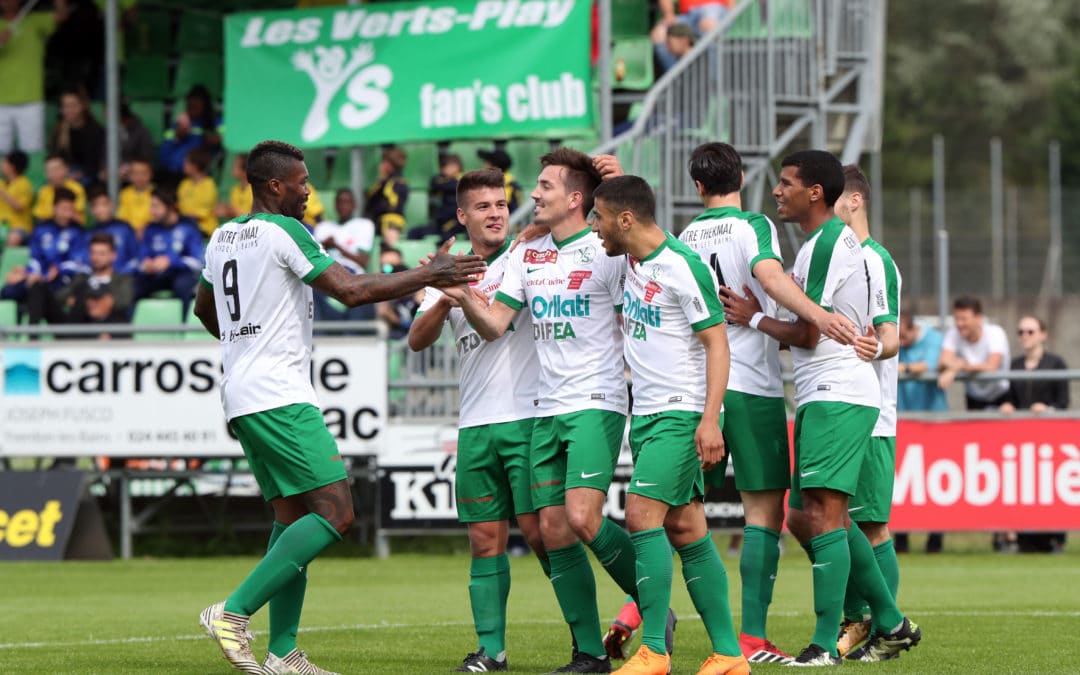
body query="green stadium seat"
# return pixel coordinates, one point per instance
(9, 313)
(629, 18)
(467, 151)
(525, 156)
(636, 55)
(373, 260)
(158, 312)
(146, 77)
(35, 170)
(416, 208)
(199, 335)
(318, 170)
(460, 246)
(196, 68)
(422, 164)
(151, 33)
(199, 32)
(15, 256)
(152, 114)
(413, 250)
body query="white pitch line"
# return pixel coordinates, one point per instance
(918, 614)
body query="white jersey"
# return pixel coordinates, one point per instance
(832, 271)
(573, 291)
(259, 267)
(731, 242)
(885, 283)
(356, 235)
(498, 379)
(992, 341)
(670, 295)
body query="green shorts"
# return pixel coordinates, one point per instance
(831, 440)
(290, 450)
(666, 463)
(578, 449)
(755, 433)
(872, 502)
(492, 475)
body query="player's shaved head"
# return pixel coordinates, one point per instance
(269, 160)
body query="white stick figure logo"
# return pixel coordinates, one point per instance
(329, 71)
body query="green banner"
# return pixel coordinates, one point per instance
(408, 71)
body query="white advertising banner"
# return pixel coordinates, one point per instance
(147, 399)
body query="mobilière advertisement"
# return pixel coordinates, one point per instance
(148, 399)
(394, 72)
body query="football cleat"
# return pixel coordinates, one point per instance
(760, 650)
(230, 633)
(814, 656)
(585, 663)
(618, 639)
(852, 634)
(885, 647)
(669, 631)
(718, 664)
(294, 663)
(480, 662)
(646, 662)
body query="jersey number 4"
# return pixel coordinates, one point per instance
(231, 285)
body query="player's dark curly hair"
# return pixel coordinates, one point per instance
(581, 175)
(817, 167)
(271, 159)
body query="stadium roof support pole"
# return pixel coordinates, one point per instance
(603, 70)
(356, 165)
(112, 100)
(1052, 282)
(941, 234)
(997, 220)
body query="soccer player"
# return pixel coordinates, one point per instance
(676, 346)
(498, 387)
(838, 400)
(869, 508)
(574, 293)
(743, 250)
(254, 295)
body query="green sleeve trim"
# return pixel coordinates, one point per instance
(885, 318)
(204, 282)
(318, 269)
(703, 277)
(707, 323)
(818, 273)
(765, 256)
(763, 231)
(304, 241)
(505, 299)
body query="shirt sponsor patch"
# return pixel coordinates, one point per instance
(535, 257)
(577, 277)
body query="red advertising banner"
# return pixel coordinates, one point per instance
(1018, 474)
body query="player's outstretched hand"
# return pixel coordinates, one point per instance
(528, 233)
(709, 441)
(608, 166)
(453, 270)
(866, 346)
(738, 309)
(839, 328)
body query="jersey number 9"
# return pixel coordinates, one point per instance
(231, 284)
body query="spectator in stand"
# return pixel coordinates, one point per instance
(975, 346)
(385, 204)
(76, 51)
(136, 143)
(442, 201)
(53, 247)
(22, 74)
(16, 195)
(701, 15)
(396, 314)
(171, 255)
(314, 211)
(56, 177)
(78, 137)
(197, 126)
(103, 294)
(349, 240)
(920, 347)
(678, 43)
(197, 195)
(134, 206)
(125, 256)
(498, 159)
(240, 194)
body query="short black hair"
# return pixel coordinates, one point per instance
(968, 302)
(63, 194)
(103, 238)
(166, 196)
(19, 160)
(96, 190)
(628, 193)
(817, 167)
(581, 175)
(201, 157)
(269, 160)
(448, 158)
(718, 167)
(480, 178)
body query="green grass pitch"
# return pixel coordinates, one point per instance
(980, 613)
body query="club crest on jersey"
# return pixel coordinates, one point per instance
(535, 257)
(584, 255)
(577, 277)
(652, 289)
(652, 272)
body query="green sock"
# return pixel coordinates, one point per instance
(855, 608)
(615, 552)
(654, 570)
(545, 565)
(575, 588)
(757, 567)
(870, 584)
(489, 586)
(285, 606)
(706, 580)
(885, 554)
(294, 549)
(831, 565)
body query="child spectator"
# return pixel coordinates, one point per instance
(239, 195)
(134, 206)
(196, 126)
(442, 198)
(78, 137)
(125, 241)
(198, 194)
(385, 204)
(171, 255)
(16, 195)
(498, 159)
(56, 176)
(136, 143)
(396, 314)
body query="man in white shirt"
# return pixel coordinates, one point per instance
(975, 346)
(349, 240)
